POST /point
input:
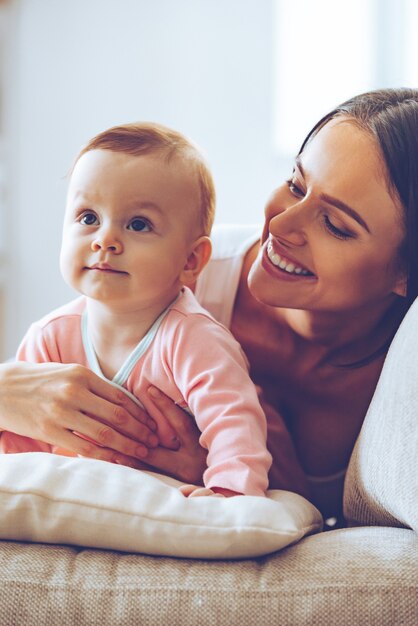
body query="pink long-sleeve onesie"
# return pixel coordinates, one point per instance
(194, 360)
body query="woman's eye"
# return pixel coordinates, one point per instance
(139, 225)
(341, 234)
(297, 191)
(89, 219)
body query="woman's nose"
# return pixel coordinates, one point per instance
(288, 225)
(107, 241)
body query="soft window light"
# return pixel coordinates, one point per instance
(325, 52)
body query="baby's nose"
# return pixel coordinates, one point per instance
(108, 242)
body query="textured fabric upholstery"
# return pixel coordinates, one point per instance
(345, 577)
(382, 479)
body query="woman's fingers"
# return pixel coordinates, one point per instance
(88, 437)
(168, 414)
(111, 405)
(187, 463)
(115, 396)
(49, 402)
(107, 420)
(106, 402)
(181, 422)
(105, 436)
(117, 418)
(80, 446)
(186, 460)
(56, 403)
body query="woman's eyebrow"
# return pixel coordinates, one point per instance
(334, 201)
(344, 207)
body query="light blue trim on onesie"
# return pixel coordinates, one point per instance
(126, 368)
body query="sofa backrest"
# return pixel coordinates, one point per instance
(381, 486)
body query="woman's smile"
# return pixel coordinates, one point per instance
(285, 263)
(280, 266)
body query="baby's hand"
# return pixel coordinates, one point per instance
(193, 491)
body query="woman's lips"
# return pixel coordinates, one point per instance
(278, 264)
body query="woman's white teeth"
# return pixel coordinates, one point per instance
(281, 262)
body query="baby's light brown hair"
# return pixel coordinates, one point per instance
(141, 138)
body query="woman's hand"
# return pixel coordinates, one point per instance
(188, 462)
(52, 402)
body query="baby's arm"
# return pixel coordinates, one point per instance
(211, 372)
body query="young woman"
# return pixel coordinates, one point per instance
(315, 306)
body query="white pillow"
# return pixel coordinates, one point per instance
(54, 499)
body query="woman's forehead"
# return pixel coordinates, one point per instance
(342, 144)
(344, 161)
(344, 154)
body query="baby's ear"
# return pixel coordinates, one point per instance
(199, 255)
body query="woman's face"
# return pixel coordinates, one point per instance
(333, 231)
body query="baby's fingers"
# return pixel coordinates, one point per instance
(193, 491)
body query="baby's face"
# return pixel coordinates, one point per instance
(129, 225)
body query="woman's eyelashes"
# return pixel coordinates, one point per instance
(337, 232)
(296, 190)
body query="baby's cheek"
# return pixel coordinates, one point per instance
(71, 265)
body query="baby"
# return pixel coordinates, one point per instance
(138, 216)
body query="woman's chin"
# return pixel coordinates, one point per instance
(258, 288)
(271, 291)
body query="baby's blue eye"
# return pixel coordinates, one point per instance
(89, 219)
(139, 224)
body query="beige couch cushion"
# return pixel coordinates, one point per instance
(346, 577)
(382, 479)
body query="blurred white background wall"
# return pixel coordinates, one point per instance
(228, 73)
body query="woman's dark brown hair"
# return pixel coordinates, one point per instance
(391, 118)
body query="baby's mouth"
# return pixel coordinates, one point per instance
(285, 264)
(105, 268)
